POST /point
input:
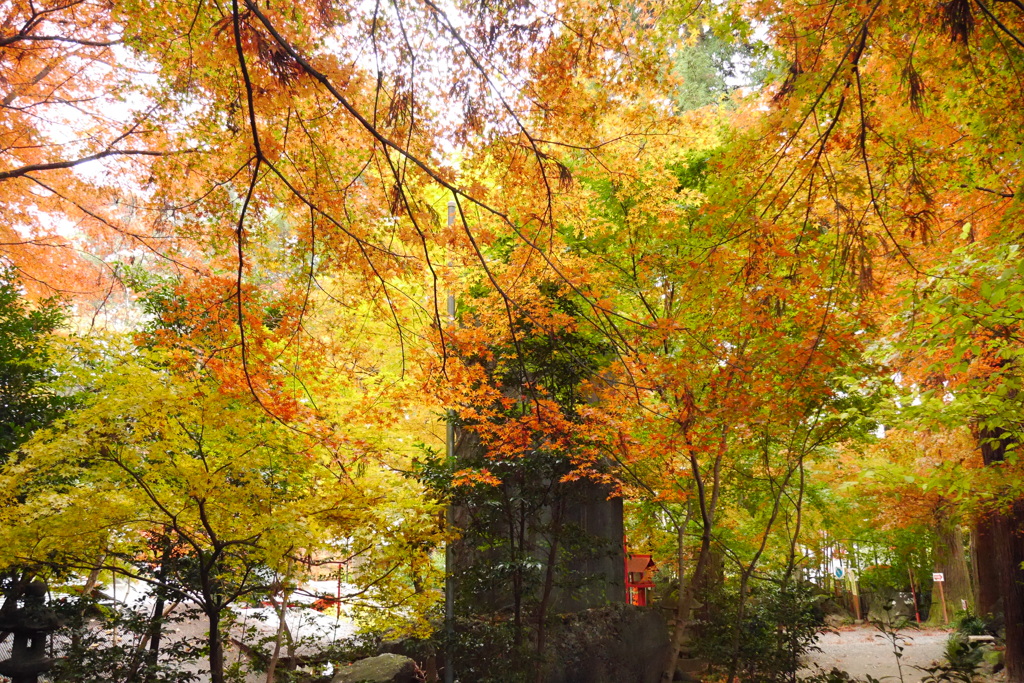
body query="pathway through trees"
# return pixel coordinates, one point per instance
(863, 650)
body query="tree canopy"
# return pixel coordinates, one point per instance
(702, 255)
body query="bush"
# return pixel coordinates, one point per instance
(780, 624)
(969, 624)
(485, 651)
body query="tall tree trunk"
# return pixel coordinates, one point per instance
(972, 553)
(517, 542)
(988, 598)
(711, 582)
(951, 561)
(1006, 555)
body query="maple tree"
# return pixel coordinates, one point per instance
(232, 494)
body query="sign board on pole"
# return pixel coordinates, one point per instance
(839, 572)
(938, 577)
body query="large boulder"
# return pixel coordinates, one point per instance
(420, 651)
(887, 605)
(614, 644)
(386, 668)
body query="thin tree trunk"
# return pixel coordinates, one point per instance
(168, 610)
(282, 631)
(90, 584)
(215, 645)
(94, 576)
(685, 605)
(156, 625)
(972, 550)
(516, 543)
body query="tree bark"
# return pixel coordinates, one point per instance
(951, 561)
(1005, 553)
(157, 623)
(216, 646)
(988, 599)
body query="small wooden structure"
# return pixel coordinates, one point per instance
(639, 578)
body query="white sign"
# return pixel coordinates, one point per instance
(938, 577)
(839, 572)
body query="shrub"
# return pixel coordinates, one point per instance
(779, 625)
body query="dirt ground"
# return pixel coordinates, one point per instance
(862, 650)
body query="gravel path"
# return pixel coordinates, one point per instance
(862, 650)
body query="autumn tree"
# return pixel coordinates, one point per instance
(904, 150)
(962, 355)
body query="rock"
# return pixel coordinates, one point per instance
(614, 644)
(386, 668)
(420, 651)
(887, 605)
(991, 660)
(834, 621)
(830, 606)
(414, 648)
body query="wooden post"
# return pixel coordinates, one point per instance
(940, 578)
(854, 589)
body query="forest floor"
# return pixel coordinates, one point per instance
(863, 650)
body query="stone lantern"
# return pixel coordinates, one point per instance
(30, 622)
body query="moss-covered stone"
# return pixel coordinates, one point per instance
(386, 668)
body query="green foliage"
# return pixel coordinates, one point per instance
(485, 650)
(712, 67)
(692, 171)
(28, 400)
(970, 314)
(779, 624)
(963, 659)
(967, 623)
